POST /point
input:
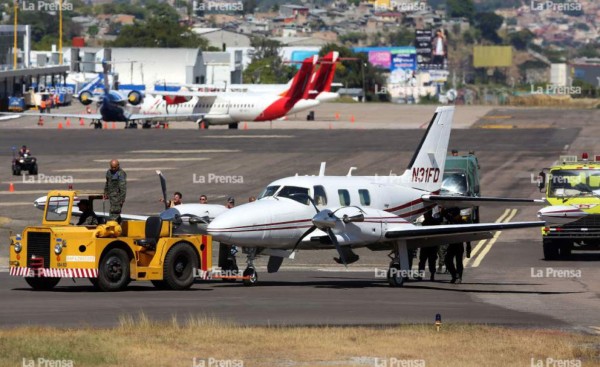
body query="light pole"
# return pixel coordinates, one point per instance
(363, 65)
(16, 3)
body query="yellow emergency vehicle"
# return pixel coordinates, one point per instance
(110, 255)
(573, 182)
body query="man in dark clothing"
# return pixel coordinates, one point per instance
(455, 250)
(429, 254)
(115, 189)
(88, 217)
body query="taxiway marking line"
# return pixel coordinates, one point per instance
(185, 151)
(16, 203)
(129, 169)
(480, 244)
(75, 181)
(493, 240)
(154, 160)
(248, 137)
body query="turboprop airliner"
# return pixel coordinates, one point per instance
(347, 212)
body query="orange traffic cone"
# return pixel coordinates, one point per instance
(245, 126)
(68, 122)
(105, 125)
(60, 125)
(81, 122)
(352, 118)
(337, 115)
(11, 187)
(113, 126)
(202, 126)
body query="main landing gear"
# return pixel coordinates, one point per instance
(398, 271)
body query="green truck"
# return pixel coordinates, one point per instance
(461, 178)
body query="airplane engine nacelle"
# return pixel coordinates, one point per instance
(135, 97)
(86, 98)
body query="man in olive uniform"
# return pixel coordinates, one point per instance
(115, 189)
(88, 217)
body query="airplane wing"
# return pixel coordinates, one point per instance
(451, 200)
(91, 116)
(77, 213)
(423, 236)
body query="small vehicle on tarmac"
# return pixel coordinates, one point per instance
(24, 162)
(572, 186)
(110, 254)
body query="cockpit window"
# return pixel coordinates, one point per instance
(269, 191)
(300, 194)
(320, 196)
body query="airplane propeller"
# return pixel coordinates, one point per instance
(163, 186)
(326, 220)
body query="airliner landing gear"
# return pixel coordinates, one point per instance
(250, 275)
(146, 124)
(234, 126)
(97, 124)
(398, 271)
(202, 124)
(131, 125)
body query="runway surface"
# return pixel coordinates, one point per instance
(500, 286)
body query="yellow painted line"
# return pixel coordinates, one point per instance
(185, 151)
(247, 136)
(493, 240)
(492, 126)
(129, 169)
(480, 244)
(153, 160)
(495, 117)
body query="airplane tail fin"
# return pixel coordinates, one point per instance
(300, 85)
(426, 169)
(323, 77)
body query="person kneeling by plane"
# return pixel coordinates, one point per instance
(88, 217)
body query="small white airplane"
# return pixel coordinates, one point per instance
(347, 212)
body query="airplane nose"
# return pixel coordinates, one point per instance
(240, 225)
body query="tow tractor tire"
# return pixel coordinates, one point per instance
(113, 272)
(233, 126)
(34, 169)
(551, 249)
(42, 284)
(180, 262)
(394, 276)
(250, 272)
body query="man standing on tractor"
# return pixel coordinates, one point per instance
(115, 189)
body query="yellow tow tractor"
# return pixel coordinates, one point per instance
(110, 255)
